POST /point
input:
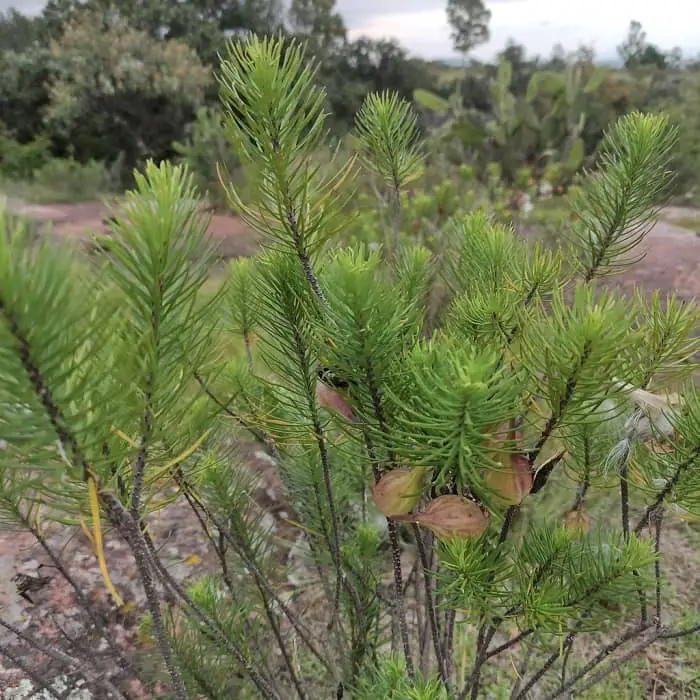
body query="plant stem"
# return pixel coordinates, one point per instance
(430, 606)
(258, 575)
(597, 659)
(335, 533)
(399, 604)
(537, 676)
(154, 563)
(39, 681)
(618, 663)
(68, 440)
(658, 522)
(487, 632)
(398, 596)
(140, 465)
(509, 644)
(153, 604)
(666, 491)
(395, 219)
(522, 670)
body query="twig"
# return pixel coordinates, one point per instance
(618, 662)
(509, 644)
(448, 640)
(666, 491)
(563, 403)
(68, 440)
(136, 544)
(677, 634)
(398, 595)
(522, 670)
(85, 604)
(538, 675)
(148, 556)
(487, 631)
(37, 679)
(140, 464)
(251, 565)
(430, 605)
(399, 603)
(257, 434)
(658, 522)
(60, 657)
(598, 659)
(220, 553)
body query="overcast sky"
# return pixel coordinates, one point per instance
(421, 25)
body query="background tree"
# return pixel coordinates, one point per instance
(19, 32)
(469, 20)
(118, 93)
(317, 23)
(203, 24)
(636, 51)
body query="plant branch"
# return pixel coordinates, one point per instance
(487, 631)
(141, 455)
(65, 660)
(85, 604)
(598, 659)
(615, 666)
(430, 605)
(67, 439)
(143, 544)
(666, 491)
(251, 565)
(658, 523)
(391, 525)
(39, 681)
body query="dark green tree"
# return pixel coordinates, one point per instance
(635, 51)
(317, 23)
(469, 20)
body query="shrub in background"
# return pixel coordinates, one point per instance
(208, 151)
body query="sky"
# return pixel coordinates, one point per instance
(421, 25)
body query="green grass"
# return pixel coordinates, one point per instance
(692, 223)
(62, 181)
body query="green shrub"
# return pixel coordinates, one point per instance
(67, 180)
(19, 161)
(207, 151)
(118, 392)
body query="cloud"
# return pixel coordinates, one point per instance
(26, 7)
(421, 25)
(538, 24)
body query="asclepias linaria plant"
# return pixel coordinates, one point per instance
(473, 506)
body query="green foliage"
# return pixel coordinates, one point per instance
(206, 150)
(431, 101)
(119, 395)
(390, 681)
(119, 92)
(317, 23)
(277, 131)
(20, 160)
(614, 205)
(67, 180)
(469, 20)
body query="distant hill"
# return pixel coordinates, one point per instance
(611, 60)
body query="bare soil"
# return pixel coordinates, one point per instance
(81, 221)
